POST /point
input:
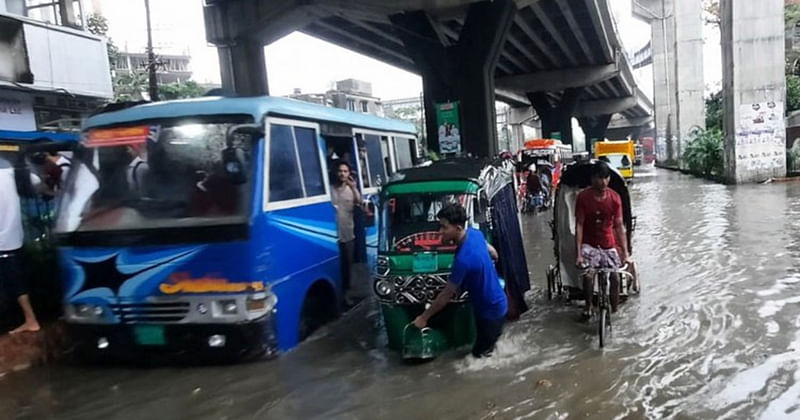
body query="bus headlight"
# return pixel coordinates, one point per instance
(228, 307)
(261, 302)
(384, 288)
(85, 312)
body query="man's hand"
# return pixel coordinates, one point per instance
(579, 261)
(350, 182)
(420, 322)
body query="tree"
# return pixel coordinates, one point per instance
(712, 13)
(704, 154)
(98, 25)
(792, 93)
(181, 90)
(714, 111)
(129, 86)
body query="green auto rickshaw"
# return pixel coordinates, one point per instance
(414, 264)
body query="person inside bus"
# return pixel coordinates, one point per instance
(345, 198)
(11, 239)
(474, 272)
(600, 232)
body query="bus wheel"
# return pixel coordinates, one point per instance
(319, 308)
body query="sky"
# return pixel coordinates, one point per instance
(320, 63)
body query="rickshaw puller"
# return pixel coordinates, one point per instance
(600, 232)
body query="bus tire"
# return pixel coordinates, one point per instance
(319, 307)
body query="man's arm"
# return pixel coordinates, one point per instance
(442, 299)
(492, 252)
(620, 237)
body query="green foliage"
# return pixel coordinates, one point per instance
(792, 93)
(714, 111)
(98, 25)
(704, 154)
(791, 14)
(181, 90)
(130, 86)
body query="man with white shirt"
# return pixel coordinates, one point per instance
(11, 237)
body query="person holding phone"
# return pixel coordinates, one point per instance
(345, 198)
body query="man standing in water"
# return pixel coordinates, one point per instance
(346, 198)
(474, 272)
(600, 232)
(11, 236)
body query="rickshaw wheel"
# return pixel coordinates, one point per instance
(550, 285)
(601, 326)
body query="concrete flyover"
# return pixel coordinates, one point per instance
(560, 58)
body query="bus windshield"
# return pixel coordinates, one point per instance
(165, 175)
(409, 222)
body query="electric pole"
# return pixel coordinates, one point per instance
(151, 57)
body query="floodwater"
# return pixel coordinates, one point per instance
(715, 334)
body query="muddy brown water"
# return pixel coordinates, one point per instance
(714, 334)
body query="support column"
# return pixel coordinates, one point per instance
(754, 90)
(462, 72)
(557, 118)
(689, 81)
(243, 68)
(594, 128)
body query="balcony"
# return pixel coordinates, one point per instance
(48, 57)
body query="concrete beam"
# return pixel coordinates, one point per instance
(511, 98)
(537, 40)
(605, 106)
(558, 80)
(554, 33)
(600, 28)
(631, 122)
(566, 10)
(389, 51)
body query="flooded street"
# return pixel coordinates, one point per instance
(713, 335)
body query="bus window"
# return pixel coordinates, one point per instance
(284, 173)
(404, 150)
(377, 168)
(308, 151)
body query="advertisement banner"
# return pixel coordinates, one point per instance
(761, 136)
(449, 124)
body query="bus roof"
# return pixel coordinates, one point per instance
(31, 136)
(257, 107)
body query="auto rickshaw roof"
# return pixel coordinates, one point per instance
(460, 174)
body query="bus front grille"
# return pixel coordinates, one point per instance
(151, 312)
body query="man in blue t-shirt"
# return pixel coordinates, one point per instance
(474, 272)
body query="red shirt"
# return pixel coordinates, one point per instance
(598, 217)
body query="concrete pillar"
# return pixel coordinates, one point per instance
(689, 81)
(678, 85)
(557, 118)
(243, 68)
(594, 128)
(462, 72)
(754, 90)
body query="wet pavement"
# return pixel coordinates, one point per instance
(715, 334)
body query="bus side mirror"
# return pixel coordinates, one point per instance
(233, 157)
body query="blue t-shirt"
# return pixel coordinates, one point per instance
(474, 272)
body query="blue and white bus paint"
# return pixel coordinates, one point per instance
(251, 280)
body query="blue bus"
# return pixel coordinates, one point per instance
(207, 224)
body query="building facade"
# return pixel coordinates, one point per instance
(53, 73)
(350, 94)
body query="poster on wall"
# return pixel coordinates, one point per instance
(16, 111)
(449, 127)
(761, 136)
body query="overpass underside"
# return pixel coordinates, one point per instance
(561, 58)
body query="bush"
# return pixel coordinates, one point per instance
(704, 154)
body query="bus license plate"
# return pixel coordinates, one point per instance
(149, 335)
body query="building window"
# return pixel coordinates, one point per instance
(49, 11)
(364, 106)
(351, 104)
